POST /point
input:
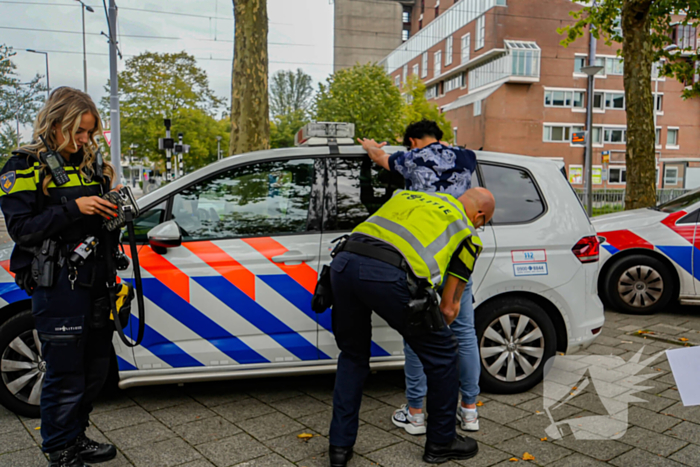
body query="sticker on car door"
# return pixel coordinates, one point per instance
(529, 256)
(531, 269)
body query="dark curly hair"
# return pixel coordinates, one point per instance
(420, 130)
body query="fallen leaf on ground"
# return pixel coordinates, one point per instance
(543, 439)
(305, 436)
(683, 339)
(537, 411)
(38, 428)
(574, 388)
(514, 459)
(479, 404)
(528, 457)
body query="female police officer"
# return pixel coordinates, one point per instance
(48, 215)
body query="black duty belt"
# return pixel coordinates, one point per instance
(382, 254)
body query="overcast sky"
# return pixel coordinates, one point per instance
(301, 36)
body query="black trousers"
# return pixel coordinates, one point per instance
(361, 285)
(77, 355)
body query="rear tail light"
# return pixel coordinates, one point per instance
(587, 250)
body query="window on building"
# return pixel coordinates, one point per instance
(437, 9)
(431, 92)
(615, 135)
(415, 69)
(598, 100)
(424, 65)
(477, 108)
(501, 2)
(453, 83)
(362, 188)
(480, 32)
(525, 57)
(422, 6)
(404, 74)
(571, 99)
(670, 176)
(672, 138)
(579, 63)
(614, 66)
(615, 100)
(685, 36)
(556, 134)
(448, 51)
(597, 135)
(517, 197)
(437, 63)
(406, 16)
(658, 137)
(397, 80)
(617, 175)
(257, 199)
(466, 47)
(404, 35)
(659, 102)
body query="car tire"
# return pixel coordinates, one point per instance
(639, 284)
(503, 359)
(20, 348)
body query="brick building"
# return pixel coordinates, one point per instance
(498, 71)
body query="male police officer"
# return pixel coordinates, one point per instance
(391, 264)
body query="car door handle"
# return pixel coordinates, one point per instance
(292, 256)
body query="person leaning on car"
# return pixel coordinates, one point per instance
(391, 264)
(431, 166)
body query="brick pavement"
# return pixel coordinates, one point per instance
(256, 423)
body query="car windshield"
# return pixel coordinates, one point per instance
(680, 203)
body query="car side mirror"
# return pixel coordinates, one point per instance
(164, 236)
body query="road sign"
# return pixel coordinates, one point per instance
(606, 157)
(578, 138)
(108, 137)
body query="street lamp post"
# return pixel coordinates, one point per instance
(591, 71)
(82, 9)
(46, 54)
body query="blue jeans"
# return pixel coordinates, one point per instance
(469, 363)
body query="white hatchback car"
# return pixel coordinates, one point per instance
(230, 295)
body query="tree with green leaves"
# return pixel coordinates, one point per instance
(250, 119)
(19, 102)
(418, 108)
(363, 95)
(291, 100)
(154, 86)
(645, 29)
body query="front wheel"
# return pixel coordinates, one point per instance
(516, 338)
(22, 369)
(639, 284)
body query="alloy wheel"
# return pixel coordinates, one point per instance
(22, 367)
(512, 347)
(640, 286)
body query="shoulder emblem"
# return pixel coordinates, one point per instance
(7, 181)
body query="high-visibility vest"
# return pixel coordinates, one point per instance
(427, 229)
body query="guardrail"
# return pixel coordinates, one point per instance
(609, 201)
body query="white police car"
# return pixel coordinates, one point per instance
(230, 255)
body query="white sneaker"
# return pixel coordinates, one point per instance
(468, 419)
(413, 424)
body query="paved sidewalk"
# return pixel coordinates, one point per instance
(257, 423)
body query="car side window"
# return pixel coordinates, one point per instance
(267, 198)
(146, 221)
(360, 187)
(517, 198)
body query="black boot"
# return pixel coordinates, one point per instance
(68, 457)
(462, 447)
(339, 456)
(93, 452)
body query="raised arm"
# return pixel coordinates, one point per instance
(375, 151)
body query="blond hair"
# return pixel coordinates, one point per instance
(63, 112)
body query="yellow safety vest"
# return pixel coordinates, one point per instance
(427, 229)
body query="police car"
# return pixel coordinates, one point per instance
(230, 255)
(649, 256)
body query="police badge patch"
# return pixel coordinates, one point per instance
(7, 181)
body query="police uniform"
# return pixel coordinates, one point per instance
(75, 347)
(433, 237)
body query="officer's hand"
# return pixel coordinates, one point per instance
(117, 188)
(94, 205)
(449, 311)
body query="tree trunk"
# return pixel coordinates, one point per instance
(250, 120)
(641, 134)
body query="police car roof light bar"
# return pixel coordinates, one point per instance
(325, 133)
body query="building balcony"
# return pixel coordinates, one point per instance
(519, 63)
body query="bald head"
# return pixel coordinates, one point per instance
(479, 204)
